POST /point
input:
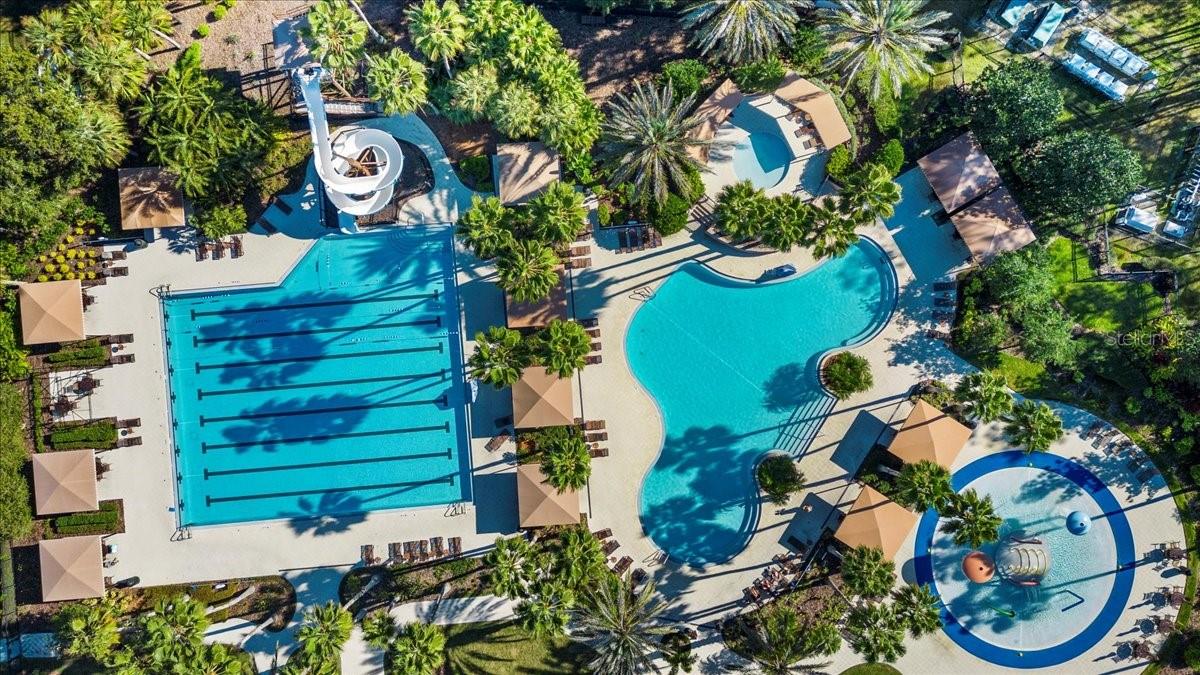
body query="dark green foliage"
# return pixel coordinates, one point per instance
(78, 435)
(808, 49)
(685, 75)
(13, 364)
(1014, 106)
(671, 217)
(15, 515)
(841, 164)
(886, 112)
(891, 155)
(693, 188)
(760, 76)
(104, 521)
(982, 333)
(1019, 279)
(478, 171)
(1052, 176)
(846, 374)
(86, 354)
(1046, 335)
(779, 478)
(867, 573)
(741, 210)
(221, 220)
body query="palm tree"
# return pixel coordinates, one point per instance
(397, 82)
(473, 88)
(380, 629)
(867, 573)
(567, 463)
(514, 111)
(622, 625)
(984, 396)
(547, 611)
(875, 633)
(973, 521)
(558, 213)
(780, 643)
(531, 40)
(647, 138)
(110, 70)
(48, 36)
(528, 270)
(337, 35)
(88, 629)
(513, 564)
(148, 24)
(924, 485)
(677, 653)
(214, 659)
(438, 31)
(741, 31)
(101, 134)
(580, 560)
(870, 193)
(787, 223)
(174, 632)
(1033, 426)
(916, 607)
(500, 357)
(562, 347)
(420, 649)
(884, 39)
(741, 210)
(485, 227)
(91, 22)
(831, 233)
(322, 634)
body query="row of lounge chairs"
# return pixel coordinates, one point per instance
(1116, 444)
(417, 551)
(217, 249)
(1101, 81)
(637, 238)
(577, 257)
(1111, 53)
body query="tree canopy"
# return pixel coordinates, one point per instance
(1052, 174)
(1014, 106)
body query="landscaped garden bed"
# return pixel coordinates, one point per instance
(503, 648)
(461, 577)
(109, 519)
(97, 434)
(86, 354)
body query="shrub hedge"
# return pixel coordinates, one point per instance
(89, 353)
(105, 521)
(91, 434)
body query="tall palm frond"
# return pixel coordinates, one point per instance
(397, 82)
(741, 31)
(438, 31)
(622, 625)
(885, 39)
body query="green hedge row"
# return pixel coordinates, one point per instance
(104, 521)
(88, 349)
(95, 434)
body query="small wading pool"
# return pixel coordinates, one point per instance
(761, 158)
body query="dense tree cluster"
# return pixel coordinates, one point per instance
(502, 354)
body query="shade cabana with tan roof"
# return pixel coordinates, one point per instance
(524, 170)
(540, 504)
(64, 482)
(959, 172)
(539, 313)
(876, 521)
(818, 105)
(72, 568)
(712, 113)
(542, 399)
(51, 311)
(993, 225)
(149, 198)
(928, 434)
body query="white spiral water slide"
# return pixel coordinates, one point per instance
(355, 195)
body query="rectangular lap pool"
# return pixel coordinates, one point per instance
(337, 392)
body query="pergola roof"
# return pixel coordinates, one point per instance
(959, 172)
(65, 482)
(524, 170)
(542, 399)
(876, 521)
(149, 198)
(539, 312)
(713, 112)
(992, 225)
(929, 435)
(72, 568)
(51, 311)
(820, 107)
(540, 504)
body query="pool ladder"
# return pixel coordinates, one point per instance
(642, 294)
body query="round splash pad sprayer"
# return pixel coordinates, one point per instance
(1079, 523)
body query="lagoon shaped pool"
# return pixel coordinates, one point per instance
(733, 367)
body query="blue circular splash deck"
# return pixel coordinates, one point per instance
(1089, 579)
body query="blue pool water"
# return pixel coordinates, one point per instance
(762, 155)
(1089, 578)
(337, 392)
(733, 367)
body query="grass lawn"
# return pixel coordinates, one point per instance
(502, 648)
(1104, 306)
(871, 669)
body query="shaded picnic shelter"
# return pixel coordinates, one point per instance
(539, 313)
(928, 434)
(51, 312)
(72, 568)
(149, 199)
(524, 170)
(712, 113)
(973, 194)
(542, 399)
(64, 482)
(540, 504)
(993, 225)
(877, 522)
(817, 107)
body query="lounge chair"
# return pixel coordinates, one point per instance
(497, 441)
(122, 339)
(593, 333)
(936, 334)
(596, 346)
(455, 546)
(1147, 473)
(424, 549)
(594, 360)
(235, 248)
(598, 453)
(943, 316)
(410, 553)
(129, 423)
(579, 263)
(367, 555)
(502, 422)
(602, 534)
(435, 543)
(610, 546)
(123, 358)
(580, 251)
(639, 575)
(129, 442)
(622, 565)
(218, 250)
(943, 301)
(597, 437)
(266, 224)
(395, 552)
(201, 251)
(594, 425)
(940, 286)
